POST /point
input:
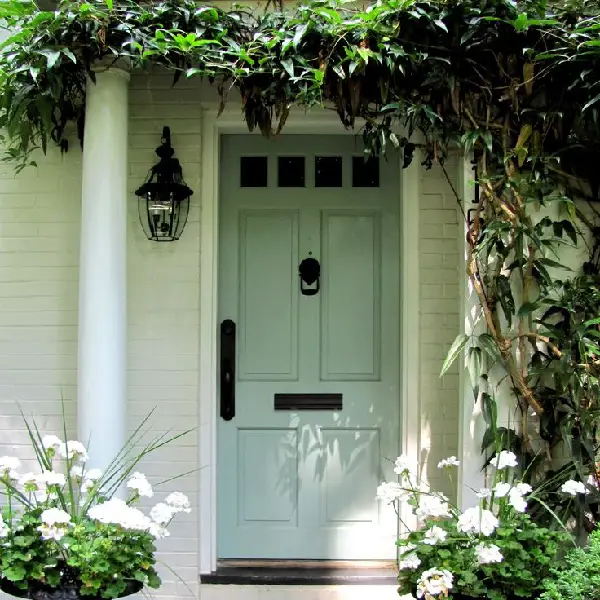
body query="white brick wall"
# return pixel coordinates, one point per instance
(164, 314)
(39, 246)
(439, 308)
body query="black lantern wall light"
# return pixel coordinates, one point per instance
(164, 199)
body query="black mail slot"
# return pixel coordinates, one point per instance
(308, 401)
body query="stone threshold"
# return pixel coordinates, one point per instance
(308, 572)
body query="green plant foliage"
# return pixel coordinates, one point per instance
(493, 550)
(577, 577)
(63, 527)
(489, 74)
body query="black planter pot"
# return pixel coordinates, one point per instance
(67, 591)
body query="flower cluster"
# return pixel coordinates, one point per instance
(469, 537)
(433, 583)
(65, 506)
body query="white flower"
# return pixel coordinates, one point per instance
(77, 472)
(403, 465)
(8, 463)
(432, 506)
(434, 535)
(89, 479)
(390, 492)
(3, 528)
(506, 459)
(522, 488)
(434, 582)
(51, 478)
(592, 481)
(30, 482)
(484, 493)
(405, 548)
(502, 489)
(140, 484)
(179, 502)
(93, 474)
(475, 520)
(157, 531)
(51, 532)
(117, 512)
(73, 450)
(51, 442)
(162, 513)
(451, 461)
(52, 516)
(488, 554)
(410, 561)
(517, 501)
(573, 488)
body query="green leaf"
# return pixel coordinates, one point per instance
(288, 65)
(527, 308)
(457, 347)
(506, 298)
(489, 410)
(488, 345)
(339, 71)
(590, 103)
(486, 136)
(70, 54)
(474, 367)
(441, 25)
(52, 57)
(300, 31)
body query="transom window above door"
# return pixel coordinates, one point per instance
(300, 172)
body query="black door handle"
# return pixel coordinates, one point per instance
(227, 400)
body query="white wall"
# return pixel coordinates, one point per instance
(164, 314)
(39, 241)
(39, 254)
(439, 302)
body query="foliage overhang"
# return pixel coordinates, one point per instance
(517, 83)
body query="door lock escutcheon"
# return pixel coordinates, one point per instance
(227, 388)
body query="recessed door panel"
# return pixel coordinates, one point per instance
(268, 294)
(350, 338)
(267, 476)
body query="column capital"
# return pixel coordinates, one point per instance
(110, 66)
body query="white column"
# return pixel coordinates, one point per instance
(471, 424)
(101, 377)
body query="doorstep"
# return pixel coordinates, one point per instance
(301, 573)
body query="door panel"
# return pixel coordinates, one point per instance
(268, 313)
(350, 339)
(301, 484)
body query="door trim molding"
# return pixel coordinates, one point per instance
(319, 122)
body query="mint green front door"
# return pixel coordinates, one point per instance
(296, 481)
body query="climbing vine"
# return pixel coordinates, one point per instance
(515, 83)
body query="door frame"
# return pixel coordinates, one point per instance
(316, 122)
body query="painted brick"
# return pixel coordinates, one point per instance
(439, 307)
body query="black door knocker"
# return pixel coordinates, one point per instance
(310, 272)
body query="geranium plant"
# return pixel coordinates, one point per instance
(490, 550)
(76, 528)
